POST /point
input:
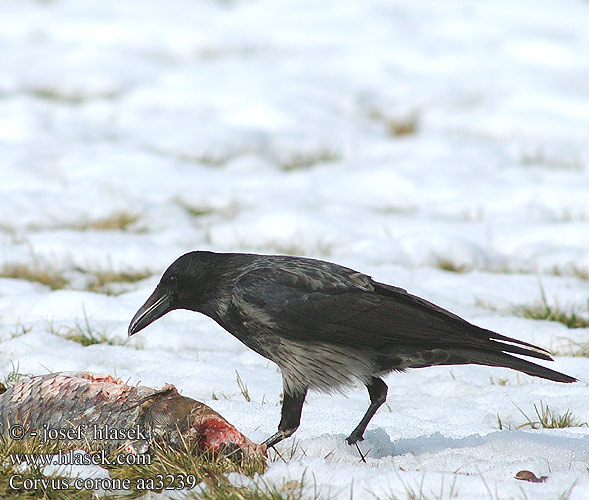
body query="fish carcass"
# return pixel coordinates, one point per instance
(88, 407)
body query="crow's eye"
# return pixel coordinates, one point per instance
(169, 281)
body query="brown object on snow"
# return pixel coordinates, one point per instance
(526, 475)
(88, 407)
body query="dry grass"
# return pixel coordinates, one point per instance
(47, 276)
(211, 476)
(48, 490)
(447, 264)
(571, 270)
(13, 377)
(295, 249)
(502, 381)
(397, 126)
(70, 96)
(417, 490)
(204, 158)
(566, 495)
(100, 282)
(540, 158)
(403, 126)
(243, 388)
(117, 221)
(120, 220)
(85, 334)
(181, 469)
(542, 310)
(103, 281)
(20, 330)
(573, 349)
(288, 162)
(547, 419)
(544, 418)
(193, 474)
(305, 160)
(224, 490)
(196, 210)
(189, 462)
(298, 248)
(452, 265)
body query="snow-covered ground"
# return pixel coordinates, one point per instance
(391, 137)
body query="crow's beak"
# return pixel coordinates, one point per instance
(155, 307)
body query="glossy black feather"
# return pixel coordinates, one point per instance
(334, 304)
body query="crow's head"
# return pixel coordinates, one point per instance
(182, 286)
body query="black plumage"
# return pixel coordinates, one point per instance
(328, 326)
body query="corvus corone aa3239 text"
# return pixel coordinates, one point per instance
(327, 326)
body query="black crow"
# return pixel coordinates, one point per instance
(328, 326)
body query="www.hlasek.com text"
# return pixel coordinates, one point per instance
(77, 457)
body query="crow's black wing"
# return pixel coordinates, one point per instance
(338, 305)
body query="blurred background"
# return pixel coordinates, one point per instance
(445, 134)
(393, 137)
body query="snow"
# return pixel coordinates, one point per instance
(274, 119)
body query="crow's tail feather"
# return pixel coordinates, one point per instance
(508, 361)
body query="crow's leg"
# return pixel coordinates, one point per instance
(292, 407)
(377, 390)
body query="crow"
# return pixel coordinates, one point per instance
(327, 326)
